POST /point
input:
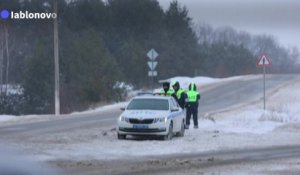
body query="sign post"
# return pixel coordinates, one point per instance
(152, 55)
(263, 61)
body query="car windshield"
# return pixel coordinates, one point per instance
(148, 104)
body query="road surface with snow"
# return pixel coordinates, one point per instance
(231, 117)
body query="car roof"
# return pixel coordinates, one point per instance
(153, 97)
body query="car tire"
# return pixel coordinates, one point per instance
(121, 136)
(182, 129)
(169, 136)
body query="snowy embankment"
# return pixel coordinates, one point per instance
(12, 119)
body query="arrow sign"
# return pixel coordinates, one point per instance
(152, 54)
(152, 64)
(263, 61)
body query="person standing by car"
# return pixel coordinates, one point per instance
(166, 91)
(192, 105)
(179, 94)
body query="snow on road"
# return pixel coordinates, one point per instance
(245, 127)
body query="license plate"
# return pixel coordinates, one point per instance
(140, 126)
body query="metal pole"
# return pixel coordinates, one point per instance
(264, 87)
(56, 61)
(152, 62)
(153, 83)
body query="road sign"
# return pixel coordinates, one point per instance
(152, 54)
(152, 64)
(263, 61)
(152, 73)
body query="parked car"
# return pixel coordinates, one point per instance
(151, 115)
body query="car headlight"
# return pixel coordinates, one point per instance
(162, 119)
(124, 119)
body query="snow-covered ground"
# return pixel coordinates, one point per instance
(12, 119)
(11, 89)
(248, 126)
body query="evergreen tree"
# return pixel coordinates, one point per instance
(88, 69)
(38, 81)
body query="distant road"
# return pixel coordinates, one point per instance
(238, 92)
(219, 97)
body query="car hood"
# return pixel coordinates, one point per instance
(144, 114)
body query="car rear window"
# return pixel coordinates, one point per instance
(148, 104)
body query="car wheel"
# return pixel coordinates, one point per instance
(121, 136)
(182, 130)
(169, 136)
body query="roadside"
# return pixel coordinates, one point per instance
(243, 127)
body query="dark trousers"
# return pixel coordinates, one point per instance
(192, 110)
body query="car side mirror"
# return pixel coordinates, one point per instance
(174, 109)
(122, 108)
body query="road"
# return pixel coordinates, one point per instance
(200, 163)
(219, 97)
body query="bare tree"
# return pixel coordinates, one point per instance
(6, 47)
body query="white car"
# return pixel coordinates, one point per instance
(152, 115)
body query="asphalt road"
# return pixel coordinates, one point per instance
(200, 163)
(239, 92)
(218, 98)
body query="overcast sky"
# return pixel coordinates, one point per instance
(280, 18)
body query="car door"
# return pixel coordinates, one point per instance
(176, 119)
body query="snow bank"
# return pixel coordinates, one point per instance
(248, 121)
(11, 89)
(4, 118)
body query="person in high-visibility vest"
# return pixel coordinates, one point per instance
(166, 91)
(192, 105)
(179, 94)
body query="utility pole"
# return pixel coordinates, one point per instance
(56, 60)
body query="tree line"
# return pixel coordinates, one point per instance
(103, 45)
